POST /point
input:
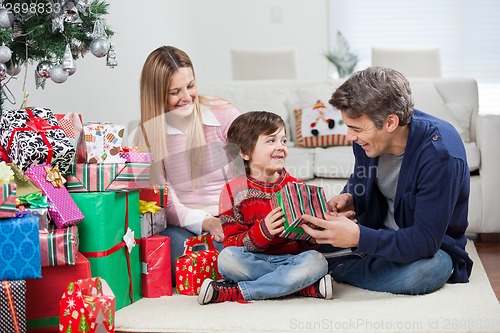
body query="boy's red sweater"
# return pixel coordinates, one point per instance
(243, 206)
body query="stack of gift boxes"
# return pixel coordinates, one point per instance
(84, 215)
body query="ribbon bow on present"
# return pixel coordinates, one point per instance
(54, 176)
(39, 124)
(148, 207)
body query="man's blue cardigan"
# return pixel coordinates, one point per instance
(432, 198)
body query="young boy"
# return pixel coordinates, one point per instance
(256, 263)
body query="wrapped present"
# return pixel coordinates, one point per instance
(59, 246)
(64, 211)
(135, 154)
(153, 218)
(13, 306)
(24, 185)
(296, 199)
(193, 267)
(43, 295)
(158, 194)
(7, 200)
(43, 216)
(33, 137)
(107, 239)
(88, 177)
(20, 248)
(72, 125)
(87, 306)
(156, 270)
(102, 142)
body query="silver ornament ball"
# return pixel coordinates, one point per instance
(43, 68)
(99, 47)
(13, 70)
(3, 71)
(5, 54)
(58, 74)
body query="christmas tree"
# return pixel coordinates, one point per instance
(51, 34)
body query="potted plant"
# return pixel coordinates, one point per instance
(344, 60)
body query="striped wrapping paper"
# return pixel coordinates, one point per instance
(296, 199)
(7, 200)
(59, 246)
(101, 177)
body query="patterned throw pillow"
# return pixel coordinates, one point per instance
(320, 126)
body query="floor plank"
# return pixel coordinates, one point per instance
(488, 248)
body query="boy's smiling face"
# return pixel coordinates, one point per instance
(268, 156)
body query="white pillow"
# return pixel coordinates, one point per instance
(427, 99)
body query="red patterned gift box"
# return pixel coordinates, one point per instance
(102, 142)
(193, 267)
(87, 306)
(43, 295)
(33, 137)
(101, 177)
(156, 270)
(296, 199)
(13, 306)
(7, 200)
(59, 246)
(64, 211)
(158, 194)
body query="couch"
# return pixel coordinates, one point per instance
(453, 99)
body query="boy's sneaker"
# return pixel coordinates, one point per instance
(219, 291)
(323, 288)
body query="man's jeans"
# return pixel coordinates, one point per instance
(263, 276)
(372, 273)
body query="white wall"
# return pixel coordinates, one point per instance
(206, 30)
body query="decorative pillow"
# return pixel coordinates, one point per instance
(319, 126)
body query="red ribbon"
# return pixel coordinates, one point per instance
(38, 125)
(100, 254)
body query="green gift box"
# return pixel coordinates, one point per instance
(107, 234)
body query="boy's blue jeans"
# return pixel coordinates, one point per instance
(419, 277)
(263, 276)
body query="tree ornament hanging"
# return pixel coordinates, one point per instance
(5, 54)
(67, 62)
(111, 57)
(6, 18)
(3, 71)
(13, 69)
(99, 47)
(58, 74)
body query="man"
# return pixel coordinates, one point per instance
(403, 211)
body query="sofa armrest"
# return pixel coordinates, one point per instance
(488, 139)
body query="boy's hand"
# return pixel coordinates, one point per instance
(274, 221)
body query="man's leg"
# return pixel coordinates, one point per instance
(419, 277)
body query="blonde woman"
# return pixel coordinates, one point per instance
(187, 134)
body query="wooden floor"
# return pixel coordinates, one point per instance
(488, 248)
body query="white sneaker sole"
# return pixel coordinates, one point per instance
(206, 292)
(326, 286)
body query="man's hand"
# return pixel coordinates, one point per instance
(342, 205)
(339, 231)
(213, 226)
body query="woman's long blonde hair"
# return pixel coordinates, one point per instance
(155, 80)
